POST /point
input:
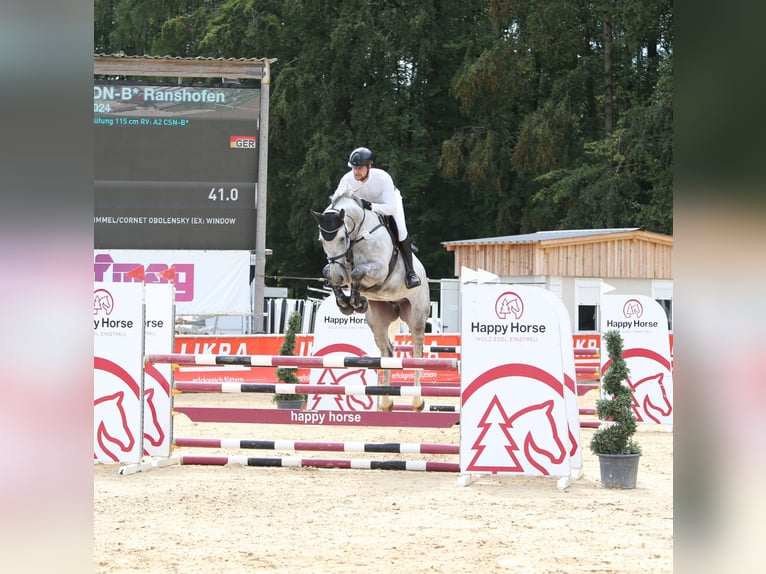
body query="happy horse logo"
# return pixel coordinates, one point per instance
(102, 301)
(509, 303)
(632, 309)
(529, 440)
(651, 400)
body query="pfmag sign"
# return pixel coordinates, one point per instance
(514, 393)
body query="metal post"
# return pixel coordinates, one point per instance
(260, 205)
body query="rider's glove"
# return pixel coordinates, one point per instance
(366, 204)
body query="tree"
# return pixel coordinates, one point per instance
(616, 406)
(490, 115)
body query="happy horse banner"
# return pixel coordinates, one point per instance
(513, 417)
(118, 371)
(643, 325)
(339, 334)
(159, 337)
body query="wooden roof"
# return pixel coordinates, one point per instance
(620, 253)
(171, 66)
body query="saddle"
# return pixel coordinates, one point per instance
(389, 223)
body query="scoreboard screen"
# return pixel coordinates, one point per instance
(175, 166)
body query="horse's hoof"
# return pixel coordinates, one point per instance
(346, 310)
(419, 407)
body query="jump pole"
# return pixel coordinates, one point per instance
(286, 361)
(361, 464)
(396, 391)
(579, 352)
(391, 447)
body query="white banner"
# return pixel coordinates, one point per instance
(206, 282)
(514, 400)
(646, 349)
(118, 382)
(159, 337)
(349, 335)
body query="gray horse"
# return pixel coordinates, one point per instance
(362, 256)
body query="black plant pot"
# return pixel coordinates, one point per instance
(299, 404)
(618, 470)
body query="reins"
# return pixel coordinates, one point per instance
(348, 254)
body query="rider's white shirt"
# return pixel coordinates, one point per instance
(378, 189)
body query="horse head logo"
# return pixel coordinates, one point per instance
(102, 302)
(509, 303)
(632, 309)
(650, 399)
(113, 433)
(530, 437)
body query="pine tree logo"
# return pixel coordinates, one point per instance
(509, 303)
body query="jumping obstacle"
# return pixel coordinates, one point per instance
(361, 464)
(286, 361)
(390, 447)
(284, 388)
(431, 408)
(429, 348)
(335, 418)
(581, 352)
(441, 416)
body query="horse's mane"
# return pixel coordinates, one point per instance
(342, 194)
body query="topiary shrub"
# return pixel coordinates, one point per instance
(287, 375)
(616, 406)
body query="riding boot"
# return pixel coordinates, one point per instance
(411, 279)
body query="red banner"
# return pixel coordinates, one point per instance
(270, 344)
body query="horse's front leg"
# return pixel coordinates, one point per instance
(385, 402)
(343, 301)
(356, 300)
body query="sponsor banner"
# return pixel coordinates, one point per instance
(644, 328)
(159, 332)
(270, 344)
(206, 282)
(118, 373)
(514, 415)
(339, 334)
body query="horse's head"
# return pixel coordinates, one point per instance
(334, 236)
(330, 221)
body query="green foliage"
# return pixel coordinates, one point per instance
(488, 115)
(617, 406)
(288, 376)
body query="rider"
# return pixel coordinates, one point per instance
(378, 193)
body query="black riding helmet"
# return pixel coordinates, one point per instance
(361, 156)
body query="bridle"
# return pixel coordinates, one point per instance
(349, 235)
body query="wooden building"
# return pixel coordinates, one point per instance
(577, 265)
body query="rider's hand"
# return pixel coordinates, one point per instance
(366, 204)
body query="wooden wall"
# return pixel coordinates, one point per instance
(632, 255)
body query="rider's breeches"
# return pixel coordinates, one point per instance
(401, 226)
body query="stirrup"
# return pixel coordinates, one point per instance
(411, 280)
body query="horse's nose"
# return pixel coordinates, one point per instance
(326, 272)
